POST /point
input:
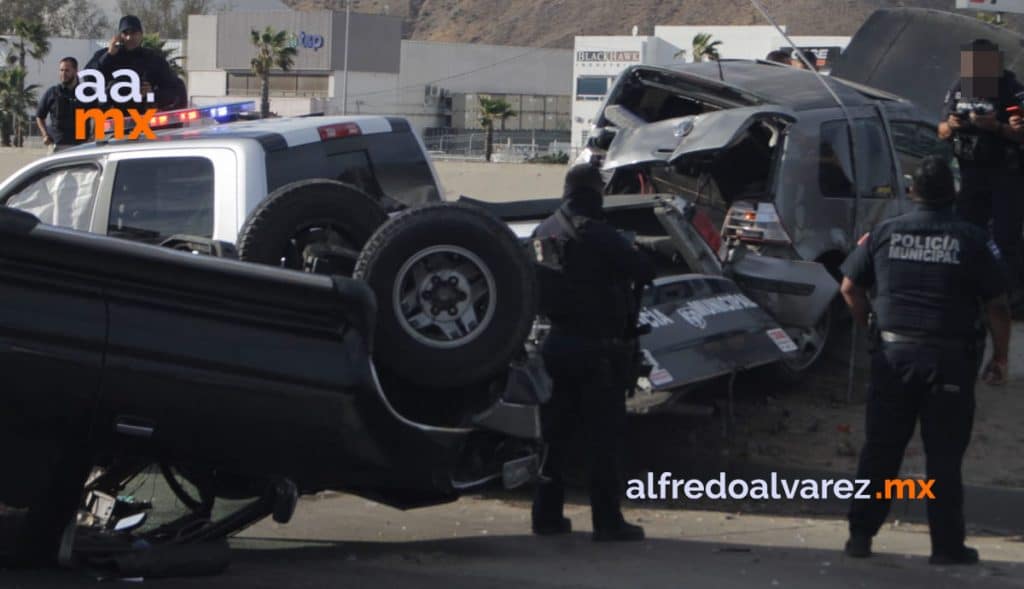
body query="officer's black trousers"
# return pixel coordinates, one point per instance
(995, 195)
(933, 383)
(589, 394)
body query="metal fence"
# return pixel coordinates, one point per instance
(509, 146)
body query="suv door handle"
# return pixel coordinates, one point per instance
(135, 427)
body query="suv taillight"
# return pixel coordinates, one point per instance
(706, 228)
(755, 225)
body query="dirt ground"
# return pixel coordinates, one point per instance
(810, 426)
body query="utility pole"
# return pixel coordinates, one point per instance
(344, 95)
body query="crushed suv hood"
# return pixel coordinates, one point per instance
(672, 140)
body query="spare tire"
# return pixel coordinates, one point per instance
(456, 294)
(313, 225)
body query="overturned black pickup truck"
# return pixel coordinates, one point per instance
(245, 381)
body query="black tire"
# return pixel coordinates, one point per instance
(401, 262)
(314, 224)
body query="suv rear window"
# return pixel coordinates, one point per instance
(156, 198)
(874, 165)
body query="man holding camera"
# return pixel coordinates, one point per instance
(983, 122)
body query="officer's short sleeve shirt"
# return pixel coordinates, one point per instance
(928, 271)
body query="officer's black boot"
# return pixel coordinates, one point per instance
(964, 555)
(547, 518)
(858, 546)
(609, 525)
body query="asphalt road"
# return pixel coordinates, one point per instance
(340, 541)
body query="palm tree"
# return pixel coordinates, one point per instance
(31, 38)
(493, 109)
(272, 50)
(154, 42)
(15, 99)
(704, 48)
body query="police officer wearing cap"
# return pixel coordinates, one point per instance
(982, 121)
(125, 51)
(931, 274)
(589, 354)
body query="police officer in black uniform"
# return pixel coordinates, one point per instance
(589, 354)
(982, 120)
(59, 104)
(125, 51)
(931, 273)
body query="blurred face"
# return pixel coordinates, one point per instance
(68, 72)
(131, 39)
(797, 64)
(980, 72)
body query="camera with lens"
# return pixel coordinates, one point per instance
(964, 108)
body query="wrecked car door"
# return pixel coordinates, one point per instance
(703, 327)
(796, 293)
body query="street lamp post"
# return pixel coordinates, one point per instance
(344, 91)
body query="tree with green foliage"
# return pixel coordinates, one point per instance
(704, 48)
(491, 110)
(15, 99)
(30, 39)
(154, 42)
(272, 50)
(169, 18)
(80, 19)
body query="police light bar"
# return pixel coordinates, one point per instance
(219, 112)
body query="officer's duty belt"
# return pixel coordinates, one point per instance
(891, 337)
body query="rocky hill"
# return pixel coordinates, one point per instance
(553, 23)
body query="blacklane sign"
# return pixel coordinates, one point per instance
(1015, 6)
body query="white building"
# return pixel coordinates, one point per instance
(431, 84)
(598, 60)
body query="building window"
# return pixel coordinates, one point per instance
(247, 84)
(591, 87)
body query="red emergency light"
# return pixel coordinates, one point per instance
(338, 130)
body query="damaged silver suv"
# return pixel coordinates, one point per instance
(766, 152)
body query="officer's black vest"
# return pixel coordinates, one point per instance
(575, 300)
